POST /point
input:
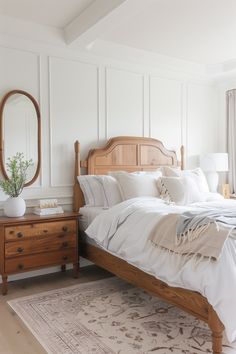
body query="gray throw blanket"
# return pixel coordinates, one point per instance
(195, 233)
(191, 224)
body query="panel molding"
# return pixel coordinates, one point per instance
(202, 113)
(181, 102)
(50, 58)
(138, 74)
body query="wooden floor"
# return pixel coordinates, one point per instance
(15, 338)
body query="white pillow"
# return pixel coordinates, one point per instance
(181, 190)
(212, 197)
(100, 190)
(171, 171)
(140, 184)
(197, 174)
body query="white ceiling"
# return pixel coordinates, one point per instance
(56, 13)
(201, 31)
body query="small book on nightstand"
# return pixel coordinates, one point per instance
(48, 207)
(48, 211)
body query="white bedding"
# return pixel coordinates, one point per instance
(124, 230)
(87, 215)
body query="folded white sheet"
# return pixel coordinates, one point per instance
(124, 230)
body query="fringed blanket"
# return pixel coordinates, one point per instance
(194, 233)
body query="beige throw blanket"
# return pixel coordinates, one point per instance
(209, 242)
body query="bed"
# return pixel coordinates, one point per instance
(140, 154)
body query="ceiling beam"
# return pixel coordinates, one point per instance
(87, 27)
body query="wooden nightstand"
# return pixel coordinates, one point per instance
(33, 242)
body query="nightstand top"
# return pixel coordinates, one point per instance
(37, 218)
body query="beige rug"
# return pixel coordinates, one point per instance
(111, 316)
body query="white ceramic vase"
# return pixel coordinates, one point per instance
(14, 207)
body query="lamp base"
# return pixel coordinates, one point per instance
(213, 180)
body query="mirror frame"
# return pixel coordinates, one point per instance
(37, 110)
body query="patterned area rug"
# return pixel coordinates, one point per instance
(110, 316)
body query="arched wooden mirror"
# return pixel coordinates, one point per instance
(20, 131)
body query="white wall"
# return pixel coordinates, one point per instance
(92, 98)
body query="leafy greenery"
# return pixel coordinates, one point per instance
(17, 168)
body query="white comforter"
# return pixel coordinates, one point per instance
(124, 230)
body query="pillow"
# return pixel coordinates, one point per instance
(100, 190)
(111, 190)
(156, 172)
(181, 190)
(170, 171)
(212, 197)
(197, 174)
(137, 184)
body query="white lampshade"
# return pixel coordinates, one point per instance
(214, 162)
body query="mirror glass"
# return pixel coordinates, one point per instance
(20, 131)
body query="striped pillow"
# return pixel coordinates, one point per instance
(100, 190)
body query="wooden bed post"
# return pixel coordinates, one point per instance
(182, 157)
(77, 158)
(217, 329)
(78, 198)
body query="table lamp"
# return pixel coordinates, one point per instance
(211, 164)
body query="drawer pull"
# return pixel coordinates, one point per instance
(20, 266)
(45, 231)
(65, 258)
(19, 234)
(65, 228)
(20, 249)
(65, 244)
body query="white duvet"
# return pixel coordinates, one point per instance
(124, 230)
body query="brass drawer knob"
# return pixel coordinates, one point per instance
(20, 266)
(65, 258)
(65, 229)
(20, 249)
(65, 244)
(19, 234)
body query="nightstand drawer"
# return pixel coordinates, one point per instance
(39, 229)
(43, 244)
(18, 264)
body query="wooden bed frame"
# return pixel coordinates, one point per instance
(137, 154)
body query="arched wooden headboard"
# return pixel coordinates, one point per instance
(123, 153)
